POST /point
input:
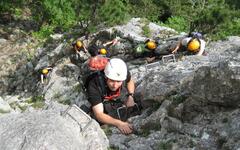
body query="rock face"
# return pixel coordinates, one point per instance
(189, 104)
(50, 130)
(199, 99)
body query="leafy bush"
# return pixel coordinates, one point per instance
(44, 32)
(227, 29)
(213, 17)
(178, 23)
(113, 12)
(144, 9)
(59, 12)
(18, 12)
(146, 30)
(9, 6)
(37, 101)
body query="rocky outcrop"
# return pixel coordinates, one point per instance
(51, 129)
(189, 104)
(199, 99)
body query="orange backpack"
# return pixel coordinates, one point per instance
(97, 63)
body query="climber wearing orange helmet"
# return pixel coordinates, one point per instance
(151, 45)
(45, 73)
(191, 45)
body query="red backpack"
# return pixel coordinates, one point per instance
(97, 63)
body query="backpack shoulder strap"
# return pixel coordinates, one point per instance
(101, 85)
(100, 81)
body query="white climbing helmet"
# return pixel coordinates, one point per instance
(116, 69)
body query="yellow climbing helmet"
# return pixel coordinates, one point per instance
(193, 45)
(151, 45)
(79, 44)
(45, 71)
(103, 51)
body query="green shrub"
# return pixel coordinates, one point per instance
(38, 104)
(44, 32)
(36, 101)
(17, 12)
(113, 12)
(227, 29)
(146, 31)
(180, 24)
(60, 12)
(107, 130)
(15, 105)
(145, 9)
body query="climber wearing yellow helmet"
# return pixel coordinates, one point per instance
(146, 50)
(79, 54)
(107, 46)
(79, 46)
(191, 45)
(103, 51)
(45, 73)
(95, 50)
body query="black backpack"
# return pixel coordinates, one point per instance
(90, 71)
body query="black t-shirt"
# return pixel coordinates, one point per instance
(95, 95)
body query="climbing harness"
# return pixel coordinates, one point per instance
(124, 112)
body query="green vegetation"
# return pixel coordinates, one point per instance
(3, 112)
(215, 18)
(177, 98)
(146, 30)
(113, 12)
(57, 95)
(65, 102)
(15, 105)
(36, 101)
(164, 146)
(45, 31)
(61, 98)
(77, 88)
(178, 23)
(107, 130)
(38, 104)
(146, 129)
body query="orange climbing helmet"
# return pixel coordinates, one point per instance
(193, 45)
(151, 45)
